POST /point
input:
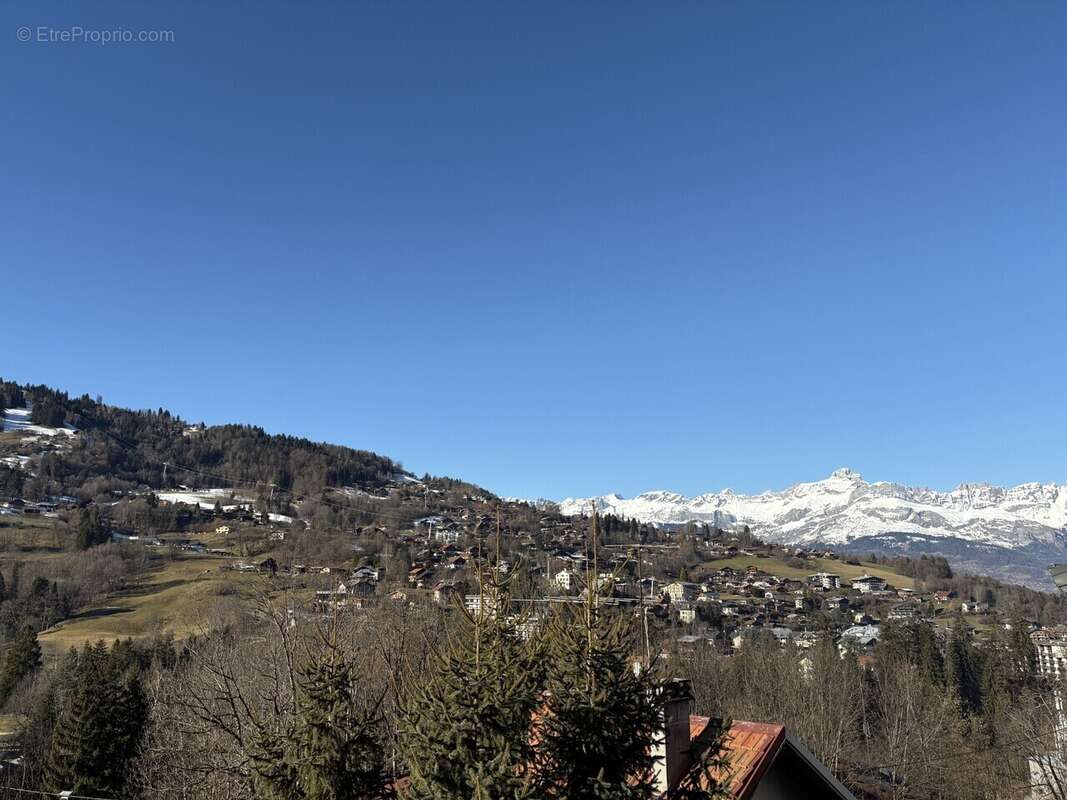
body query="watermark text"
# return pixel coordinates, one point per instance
(76, 34)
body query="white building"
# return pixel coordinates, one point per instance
(827, 580)
(1051, 646)
(1047, 769)
(446, 535)
(565, 579)
(868, 584)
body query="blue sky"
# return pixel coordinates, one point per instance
(555, 248)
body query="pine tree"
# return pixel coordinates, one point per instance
(963, 670)
(465, 732)
(71, 764)
(22, 658)
(332, 748)
(91, 530)
(99, 724)
(591, 690)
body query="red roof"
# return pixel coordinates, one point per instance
(750, 749)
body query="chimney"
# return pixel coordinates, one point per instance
(672, 751)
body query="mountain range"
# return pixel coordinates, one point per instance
(1013, 533)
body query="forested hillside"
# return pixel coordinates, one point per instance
(121, 450)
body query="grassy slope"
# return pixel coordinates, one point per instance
(777, 566)
(178, 598)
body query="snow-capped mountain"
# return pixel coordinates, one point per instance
(845, 510)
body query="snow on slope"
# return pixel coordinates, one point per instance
(844, 507)
(206, 498)
(18, 419)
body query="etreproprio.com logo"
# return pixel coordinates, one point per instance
(76, 34)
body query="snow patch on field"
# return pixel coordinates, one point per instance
(206, 498)
(354, 493)
(18, 419)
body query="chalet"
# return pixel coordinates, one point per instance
(860, 637)
(686, 612)
(869, 584)
(974, 607)
(836, 603)
(366, 573)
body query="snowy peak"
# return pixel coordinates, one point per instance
(845, 474)
(844, 507)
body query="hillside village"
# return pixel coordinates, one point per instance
(188, 549)
(700, 585)
(730, 589)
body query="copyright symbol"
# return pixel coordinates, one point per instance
(23, 34)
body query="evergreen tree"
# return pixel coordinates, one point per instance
(16, 580)
(963, 670)
(915, 644)
(465, 731)
(98, 726)
(23, 657)
(592, 689)
(332, 749)
(91, 529)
